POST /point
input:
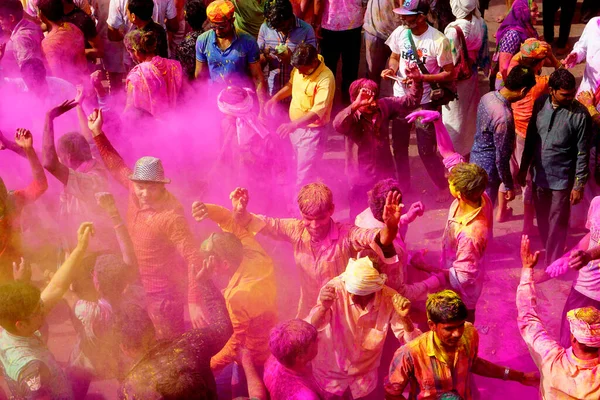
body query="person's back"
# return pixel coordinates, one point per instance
(285, 384)
(64, 50)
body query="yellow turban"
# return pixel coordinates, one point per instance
(361, 278)
(220, 11)
(585, 333)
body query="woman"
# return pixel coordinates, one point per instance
(456, 115)
(514, 30)
(153, 85)
(195, 15)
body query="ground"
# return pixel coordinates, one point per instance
(500, 341)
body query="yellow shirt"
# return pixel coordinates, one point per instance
(313, 93)
(250, 296)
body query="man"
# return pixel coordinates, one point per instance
(444, 359)
(572, 372)
(278, 37)
(29, 368)
(227, 57)
(322, 247)
(12, 203)
(494, 140)
(557, 150)
(339, 23)
(365, 124)
(139, 13)
(179, 368)
(25, 40)
(250, 294)
(249, 16)
(288, 373)
(567, 12)
(160, 235)
(433, 49)
(353, 315)
(312, 87)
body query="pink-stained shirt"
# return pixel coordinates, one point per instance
(285, 384)
(563, 376)
(317, 263)
(154, 85)
(25, 43)
(588, 277)
(64, 49)
(351, 341)
(342, 15)
(463, 246)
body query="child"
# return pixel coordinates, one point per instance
(30, 370)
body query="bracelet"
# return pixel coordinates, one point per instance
(506, 372)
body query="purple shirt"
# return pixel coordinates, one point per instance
(25, 43)
(285, 384)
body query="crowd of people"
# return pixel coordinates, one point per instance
(173, 309)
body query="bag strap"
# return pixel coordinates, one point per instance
(420, 62)
(463, 42)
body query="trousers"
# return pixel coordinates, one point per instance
(552, 209)
(551, 7)
(345, 45)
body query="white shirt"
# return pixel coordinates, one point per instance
(588, 48)
(432, 46)
(117, 14)
(588, 277)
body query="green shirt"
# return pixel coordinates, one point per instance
(249, 16)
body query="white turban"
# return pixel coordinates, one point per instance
(246, 123)
(462, 8)
(585, 333)
(361, 278)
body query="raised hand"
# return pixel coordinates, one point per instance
(365, 97)
(392, 211)
(327, 296)
(24, 139)
(62, 108)
(401, 305)
(199, 211)
(208, 267)
(426, 116)
(95, 122)
(86, 230)
(107, 202)
(528, 260)
(79, 96)
(22, 272)
(239, 200)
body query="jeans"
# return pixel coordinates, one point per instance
(551, 7)
(427, 146)
(377, 54)
(552, 209)
(575, 300)
(309, 146)
(344, 44)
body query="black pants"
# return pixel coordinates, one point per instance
(575, 300)
(552, 209)
(427, 145)
(590, 8)
(344, 44)
(551, 7)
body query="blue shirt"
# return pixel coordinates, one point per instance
(269, 39)
(229, 66)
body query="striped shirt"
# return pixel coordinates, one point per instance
(424, 364)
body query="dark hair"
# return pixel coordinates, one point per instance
(18, 300)
(185, 382)
(290, 339)
(445, 307)
(378, 194)
(33, 68)
(51, 9)
(360, 84)
(562, 79)
(111, 273)
(278, 12)
(520, 77)
(75, 145)
(11, 7)
(135, 326)
(469, 179)
(226, 246)
(195, 14)
(142, 41)
(304, 55)
(142, 9)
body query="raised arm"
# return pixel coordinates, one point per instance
(113, 161)
(49, 155)
(67, 272)
(24, 140)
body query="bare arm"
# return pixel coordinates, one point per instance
(49, 155)
(259, 82)
(96, 50)
(445, 76)
(202, 72)
(24, 140)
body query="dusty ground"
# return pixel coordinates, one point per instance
(496, 312)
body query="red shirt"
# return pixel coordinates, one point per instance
(162, 240)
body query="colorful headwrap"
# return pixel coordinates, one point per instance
(585, 333)
(533, 48)
(518, 19)
(237, 102)
(220, 11)
(361, 278)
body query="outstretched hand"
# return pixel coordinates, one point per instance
(392, 211)
(558, 267)
(426, 116)
(24, 139)
(205, 272)
(239, 200)
(570, 61)
(401, 305)
(528, 260)
(86, 230)
(62, 108)
(199, 211)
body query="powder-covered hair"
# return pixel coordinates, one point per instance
(110, 275)
(75, 145)
(315, 199)
(363, 83)
(140, 41)
(18, 300)
(291, 339)
(445, 307)
(225, 245)
(469, 179)
(379, 193)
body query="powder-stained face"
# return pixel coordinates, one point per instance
(449, 334)
(223, 29)
(148, 193)
(318, 226)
